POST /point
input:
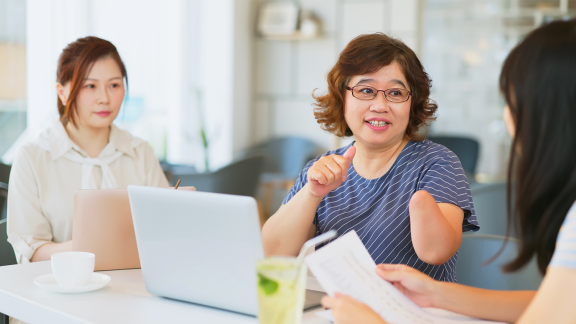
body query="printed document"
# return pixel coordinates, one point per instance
(345, 266)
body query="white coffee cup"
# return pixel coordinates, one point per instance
(72, 269)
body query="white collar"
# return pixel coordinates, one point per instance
(59, 142)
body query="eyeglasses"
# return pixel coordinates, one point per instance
(363, 92)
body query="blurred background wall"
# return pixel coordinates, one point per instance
(199, 70)
(12, 71)
(287, 71)
(212, 93)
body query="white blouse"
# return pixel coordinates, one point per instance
(46, 173)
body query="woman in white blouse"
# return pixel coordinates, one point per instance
(83, 150)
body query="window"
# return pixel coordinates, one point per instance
(12, 72)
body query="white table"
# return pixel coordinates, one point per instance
(123, 300)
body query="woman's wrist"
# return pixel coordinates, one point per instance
(310, 194)
(440, 291)
(44, 252)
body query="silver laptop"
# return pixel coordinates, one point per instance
(200, 247)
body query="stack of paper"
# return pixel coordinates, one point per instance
(345, 266)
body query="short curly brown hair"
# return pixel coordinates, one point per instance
(367, 54)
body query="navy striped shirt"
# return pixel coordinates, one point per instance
(377, 209)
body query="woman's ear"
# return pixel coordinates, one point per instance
(509, 121)
(63, 92)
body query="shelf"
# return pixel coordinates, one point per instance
(294, 37)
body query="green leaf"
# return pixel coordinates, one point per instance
(268, 285)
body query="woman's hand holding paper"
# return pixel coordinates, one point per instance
(415, 285)
(347, 310)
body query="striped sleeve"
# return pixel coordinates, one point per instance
(300, 182)
(565, 253)
(303, 177)
(445, 180)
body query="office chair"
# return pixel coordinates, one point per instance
(3, 200)
(285, 159)
(466, 149)
(239, 178)
(477, 249)
(491, 210)
(7, 256)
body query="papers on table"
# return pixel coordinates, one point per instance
(345, 266)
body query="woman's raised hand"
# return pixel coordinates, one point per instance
(329, 172)
(418, 287)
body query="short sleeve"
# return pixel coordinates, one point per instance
(300, 182)
(155, 177)
(303, 177)
(565, 252)
(445, 180)
(27, 228)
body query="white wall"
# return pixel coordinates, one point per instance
(225, 78)
(151, 41)
(183, 56)
(286, 72)
(186, 59)
(463, 51)
(51, 25)
(244, 17)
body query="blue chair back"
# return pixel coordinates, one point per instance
(466, 149)
(490, 206)
(4, 178)
(286, 155)
(477, 249)
(238, 178)
(7, 256)
(174, 171)
(5, 172)
(3, 200)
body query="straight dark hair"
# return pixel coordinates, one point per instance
(538, 81)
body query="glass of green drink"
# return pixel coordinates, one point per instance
(281, 288)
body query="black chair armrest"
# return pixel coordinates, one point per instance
(3, 191)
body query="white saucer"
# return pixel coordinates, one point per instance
(48, 282)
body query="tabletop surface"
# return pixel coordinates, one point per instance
(123, 300)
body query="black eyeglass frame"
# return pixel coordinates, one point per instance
(377, 91)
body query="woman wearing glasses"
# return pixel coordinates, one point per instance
(406, 197)
(539, 83)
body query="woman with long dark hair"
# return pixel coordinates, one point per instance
(538, 81)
